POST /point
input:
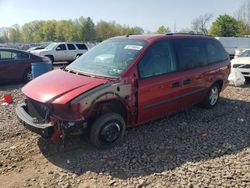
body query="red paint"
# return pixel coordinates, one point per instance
(150, 98)
(59, 86)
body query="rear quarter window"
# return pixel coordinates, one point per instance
(215, 52)
(81, 46)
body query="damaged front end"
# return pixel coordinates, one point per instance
(42, 118)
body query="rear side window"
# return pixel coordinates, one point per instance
(20, 55)
(157, 60)
(71, 46)
(81, 46)
(190, 53)
(215, 52)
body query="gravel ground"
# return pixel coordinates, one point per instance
(194, 148)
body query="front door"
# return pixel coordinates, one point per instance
(159, 84)
(11, 66)
(61, 53)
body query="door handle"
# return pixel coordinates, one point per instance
(176, 84)
(187, 81)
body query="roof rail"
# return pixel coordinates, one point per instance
(188, 33)
(127, 35)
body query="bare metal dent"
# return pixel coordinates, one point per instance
(106, 92)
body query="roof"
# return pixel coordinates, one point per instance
(152, 37)
(11, 49)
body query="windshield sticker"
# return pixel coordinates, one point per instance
(133, 47)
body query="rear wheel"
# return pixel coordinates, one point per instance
(213, 96)
(107, 130)
(27, 76)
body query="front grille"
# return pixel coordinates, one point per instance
(241, 66)
(38, 110)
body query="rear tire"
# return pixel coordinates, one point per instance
(107, 130)
(212, 97)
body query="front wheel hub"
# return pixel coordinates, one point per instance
(110, 132)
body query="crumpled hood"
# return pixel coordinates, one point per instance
(60, 86)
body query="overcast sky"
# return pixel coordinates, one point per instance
(148, 14)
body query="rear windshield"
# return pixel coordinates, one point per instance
(109, 59)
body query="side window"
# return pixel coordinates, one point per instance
(157, 60)
(81, 46)
(61, 47)
(190, 53)
(71, 46)
(215, 52)
(20, 55)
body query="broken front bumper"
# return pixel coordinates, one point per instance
(43, 129)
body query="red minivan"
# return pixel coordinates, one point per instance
(125, 81)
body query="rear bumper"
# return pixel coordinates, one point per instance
(43, 129)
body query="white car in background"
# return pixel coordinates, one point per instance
(242, 63)
(62, 51)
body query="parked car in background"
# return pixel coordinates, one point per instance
(15, 65)
(233, 44)
(245, 53)
(35, 48)
(242, 63)
(123, 82)
(62, 51)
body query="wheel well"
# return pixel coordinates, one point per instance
(78, 54)
(220, 82)
(110, 106)
(50, 56)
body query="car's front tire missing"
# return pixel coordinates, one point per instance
(212, 97)
(107, 130)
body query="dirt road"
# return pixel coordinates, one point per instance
(194, 148)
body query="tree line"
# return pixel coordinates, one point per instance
(84, 29)
(81, 29)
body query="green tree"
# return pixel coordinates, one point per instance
(63, 31)
(48, 30)
(243, 16)
(14, 34)
(136, 30)
(30, 30)
(103, 30)
(163, 30)
(225, 26)
(89, 32)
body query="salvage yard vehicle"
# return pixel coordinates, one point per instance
(15, 65)
(124, 82)
(62, 51)
(242, 63)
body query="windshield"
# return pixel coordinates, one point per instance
(50, 46)
(109, 59)
(246, 53)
